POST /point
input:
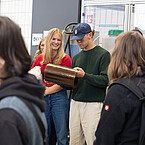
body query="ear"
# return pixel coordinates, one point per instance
(90, 35)
(2, 62)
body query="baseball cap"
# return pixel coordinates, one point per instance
(80, 30)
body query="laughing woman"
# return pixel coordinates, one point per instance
(55, 96)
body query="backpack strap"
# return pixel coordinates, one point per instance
(34, 130)
(135, 85)
(38, 119)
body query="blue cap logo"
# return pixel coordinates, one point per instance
(76, 31)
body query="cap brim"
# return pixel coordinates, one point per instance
(79, 37)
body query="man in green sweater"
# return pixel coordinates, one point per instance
(87, 99)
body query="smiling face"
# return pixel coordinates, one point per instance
(53, 46)
(56, 41)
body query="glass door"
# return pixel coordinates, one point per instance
(110, 20)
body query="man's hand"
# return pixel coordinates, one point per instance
(79, 72)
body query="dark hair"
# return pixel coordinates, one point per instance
(93, 32)
(13, 49)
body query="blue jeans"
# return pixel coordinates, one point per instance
(57, 108)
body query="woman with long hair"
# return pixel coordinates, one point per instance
(55, 96)
(40, 48)
(121, 113)
(18, 126)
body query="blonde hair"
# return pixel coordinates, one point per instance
(38, 52)
(48, 51)
(128, 56)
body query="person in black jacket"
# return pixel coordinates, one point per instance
(121, 114)
(18, 126)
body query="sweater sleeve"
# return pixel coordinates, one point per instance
(66, 61)
(100, 80)
(37, 61)
(13, 130)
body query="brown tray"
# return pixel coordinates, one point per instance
(64, 76)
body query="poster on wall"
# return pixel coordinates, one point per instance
(36, 37)
(90, 19)
(45, 33)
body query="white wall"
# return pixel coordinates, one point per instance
(19, 11)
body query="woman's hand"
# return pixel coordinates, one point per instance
(53, 89)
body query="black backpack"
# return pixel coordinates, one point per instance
(137, 86)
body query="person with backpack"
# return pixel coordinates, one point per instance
(22, 106)
(120, 122)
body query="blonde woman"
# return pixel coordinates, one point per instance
(55, 96)
(39, 51)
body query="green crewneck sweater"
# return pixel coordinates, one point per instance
(92, 86)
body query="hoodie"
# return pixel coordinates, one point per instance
(13, 130)
(27, 87)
